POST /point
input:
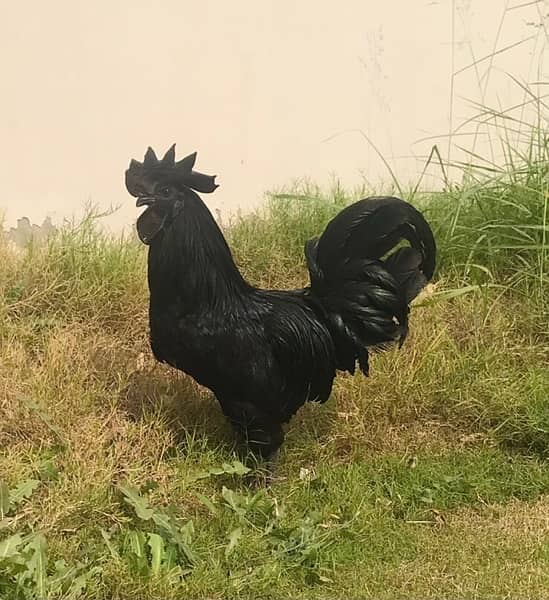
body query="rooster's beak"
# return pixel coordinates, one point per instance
(145, 201)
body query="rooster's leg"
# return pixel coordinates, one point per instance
(261, 433)
(264, 442)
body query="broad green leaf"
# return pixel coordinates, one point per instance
(208, 504)
(62, 570)
(135, 552)
(9, 547)
(183, 540)
(156, 544)
(234, 468)
(231, 498)
(37, 564)
(165, 521)
(4, 499)
(134, 498)
(23, 491)
(80, 583)
(234, 536)
(61, 576)
(137, 543)
(187, 531)
(239, 468)
(112, 549)
(170, 562)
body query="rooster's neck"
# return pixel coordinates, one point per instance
(191, 264)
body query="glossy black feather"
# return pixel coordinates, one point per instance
(262, 352)
(365, 293)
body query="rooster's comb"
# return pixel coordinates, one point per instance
(180, 171)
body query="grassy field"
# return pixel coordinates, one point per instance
(119, 478)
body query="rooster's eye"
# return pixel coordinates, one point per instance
(165, 191)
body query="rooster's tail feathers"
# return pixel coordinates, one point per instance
(362, 291)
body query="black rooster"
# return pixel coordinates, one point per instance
(264, 353)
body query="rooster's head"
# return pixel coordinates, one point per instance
(161, 186)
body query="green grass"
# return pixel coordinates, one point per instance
(113, 468)
(119, 477)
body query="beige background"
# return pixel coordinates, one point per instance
(265, 90)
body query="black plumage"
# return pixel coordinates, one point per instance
(264, 353)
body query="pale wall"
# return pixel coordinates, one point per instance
(260, 88)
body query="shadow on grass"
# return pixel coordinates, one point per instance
(188, 411)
